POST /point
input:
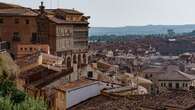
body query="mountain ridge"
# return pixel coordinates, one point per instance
(140, 30)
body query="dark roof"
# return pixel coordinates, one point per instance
(63, 11)
(176, 75)
(7, 6)
(42, 76)
(62, 21)
(153, 70)
(36, 73)
(69, 11)
(17, 12)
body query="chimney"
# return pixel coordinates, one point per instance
(42, 8)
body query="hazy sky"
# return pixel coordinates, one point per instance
(125, 12)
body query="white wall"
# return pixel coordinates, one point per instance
(78, 95)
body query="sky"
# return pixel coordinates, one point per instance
(115, 13)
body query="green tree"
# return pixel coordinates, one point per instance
(13, 99)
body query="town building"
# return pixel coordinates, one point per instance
(67, 94)
(176, 79)
(65, 31)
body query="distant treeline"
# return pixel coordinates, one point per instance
(132, 37)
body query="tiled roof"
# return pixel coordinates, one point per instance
(76, 84)
(6, 6)
(63, 11)
(176, 75)
(153, 70)
(62, 21)
(17, 12)
(69, 11)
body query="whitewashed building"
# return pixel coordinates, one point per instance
(75, 92)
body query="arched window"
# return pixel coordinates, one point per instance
(74, 59)
(68, 62)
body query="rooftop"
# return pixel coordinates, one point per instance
(76, 84)
(173, 100)
(17, 12)
(176, 75)
(6, 5)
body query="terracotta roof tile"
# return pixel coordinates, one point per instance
(17, 12)
(76, 84)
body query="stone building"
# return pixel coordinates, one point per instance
(17, 25)
(64, 30)
(176, 79)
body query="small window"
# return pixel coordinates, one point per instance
(34, 38)
(16, 21)
(8, 45)
(177, 85)
(146, 76)
(183, 84)
(27, 21)
(161, 84)
(31, 49)
(90, 74)
(21, 48)
(16, 36)
(170, 85)
(1, 20)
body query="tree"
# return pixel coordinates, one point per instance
(13, 99)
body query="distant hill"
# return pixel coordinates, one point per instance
(140, 30)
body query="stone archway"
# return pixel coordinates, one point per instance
(68, 63)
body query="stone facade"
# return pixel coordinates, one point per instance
(64, 30)
(16, 30)
(29, 49)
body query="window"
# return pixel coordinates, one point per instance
(177, 85)
(27, 21)
(16, 21)
(34, 38)
(1, 20)
(16, 36)
(31, 49)
(170, 85)
(146, 76)
(162, 84)
(8, 45)
(90, 74)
